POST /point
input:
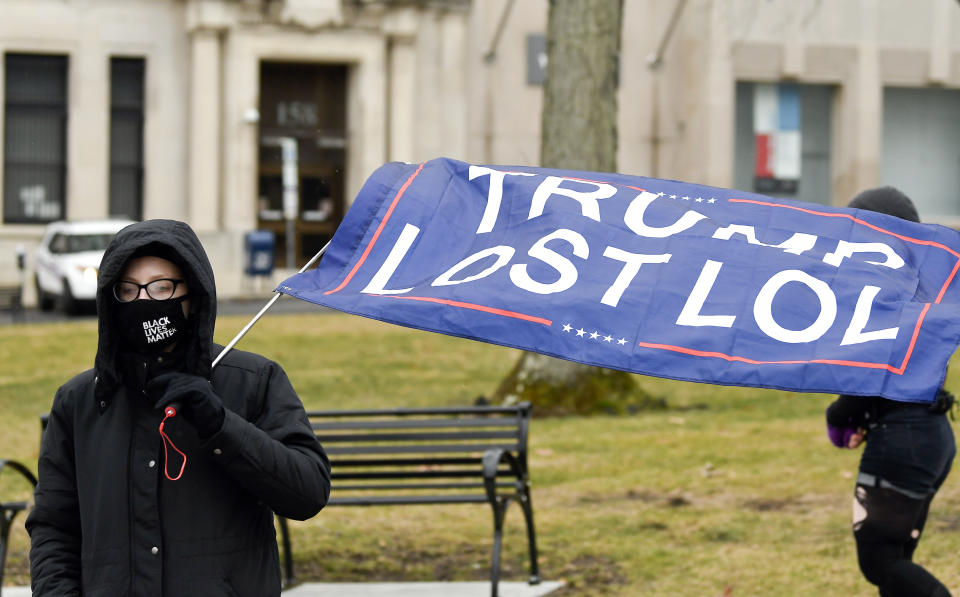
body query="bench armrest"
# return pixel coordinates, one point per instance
(491, 462)
(13, 464)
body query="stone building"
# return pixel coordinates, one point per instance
(186, 108)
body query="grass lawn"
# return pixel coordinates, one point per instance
(729, 487)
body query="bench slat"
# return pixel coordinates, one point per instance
(415, 437)
(394, 474)
(374, 500)
(418, 486)
(415, 423)
(411, 412)
(418, 449)
(388, 462)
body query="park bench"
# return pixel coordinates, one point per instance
(407, 457)
(10, 509)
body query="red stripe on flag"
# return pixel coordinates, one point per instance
(908, 239)
(913, 340)
(472, 306)
(376, 234)
(947, 283)
(727, 357)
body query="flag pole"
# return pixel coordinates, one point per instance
(275, 298)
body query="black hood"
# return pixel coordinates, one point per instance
(176, 242)
(886, 200)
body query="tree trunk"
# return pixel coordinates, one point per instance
(579, 132)
(579, 119)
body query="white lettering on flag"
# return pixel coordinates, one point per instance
(567, 270)
(799, 243)
(634, 218)
(494, 194)
(503, 253)
(690, 315)
(631, 266)
(378, 285)
(846, 249)
(861, 314)
(763, 308)
(589, 206)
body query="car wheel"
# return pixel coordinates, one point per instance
(44, 300)
(67, 300)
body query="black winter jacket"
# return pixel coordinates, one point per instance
(107, 522)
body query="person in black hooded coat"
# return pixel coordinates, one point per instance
(909, 452)
(108, 519)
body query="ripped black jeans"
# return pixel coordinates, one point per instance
(908, 455)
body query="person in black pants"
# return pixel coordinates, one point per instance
(908, 454)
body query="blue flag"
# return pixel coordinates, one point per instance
(658, 277)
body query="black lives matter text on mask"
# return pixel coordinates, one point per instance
(155, 330)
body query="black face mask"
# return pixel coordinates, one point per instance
(148, 326)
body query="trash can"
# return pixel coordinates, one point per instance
(259, 245)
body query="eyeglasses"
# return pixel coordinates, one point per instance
(158, 290)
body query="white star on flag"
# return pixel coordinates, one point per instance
(595, 335)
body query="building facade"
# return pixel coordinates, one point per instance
(243, 115)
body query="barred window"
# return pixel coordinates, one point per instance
(126, 137)
(35, 138)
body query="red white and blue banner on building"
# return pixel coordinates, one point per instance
(777, 139)
(651, 276)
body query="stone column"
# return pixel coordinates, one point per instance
(401, 27)
(88, 147)
(205, 199)
(793, 47)
(940, 47)
(718, 97)
(860, 113)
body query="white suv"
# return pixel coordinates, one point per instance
(68, 259)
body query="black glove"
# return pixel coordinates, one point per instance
(197, 400)
(942, 403)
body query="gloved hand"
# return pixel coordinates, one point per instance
(198, 402)
(942, 403)
(840, 436)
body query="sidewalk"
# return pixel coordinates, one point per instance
(399, 589)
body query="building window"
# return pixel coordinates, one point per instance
(783, 140)
(35, 138)
(126, 137)
(921, 149)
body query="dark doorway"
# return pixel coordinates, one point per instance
(305, 102)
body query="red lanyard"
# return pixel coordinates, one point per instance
(169, 412)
